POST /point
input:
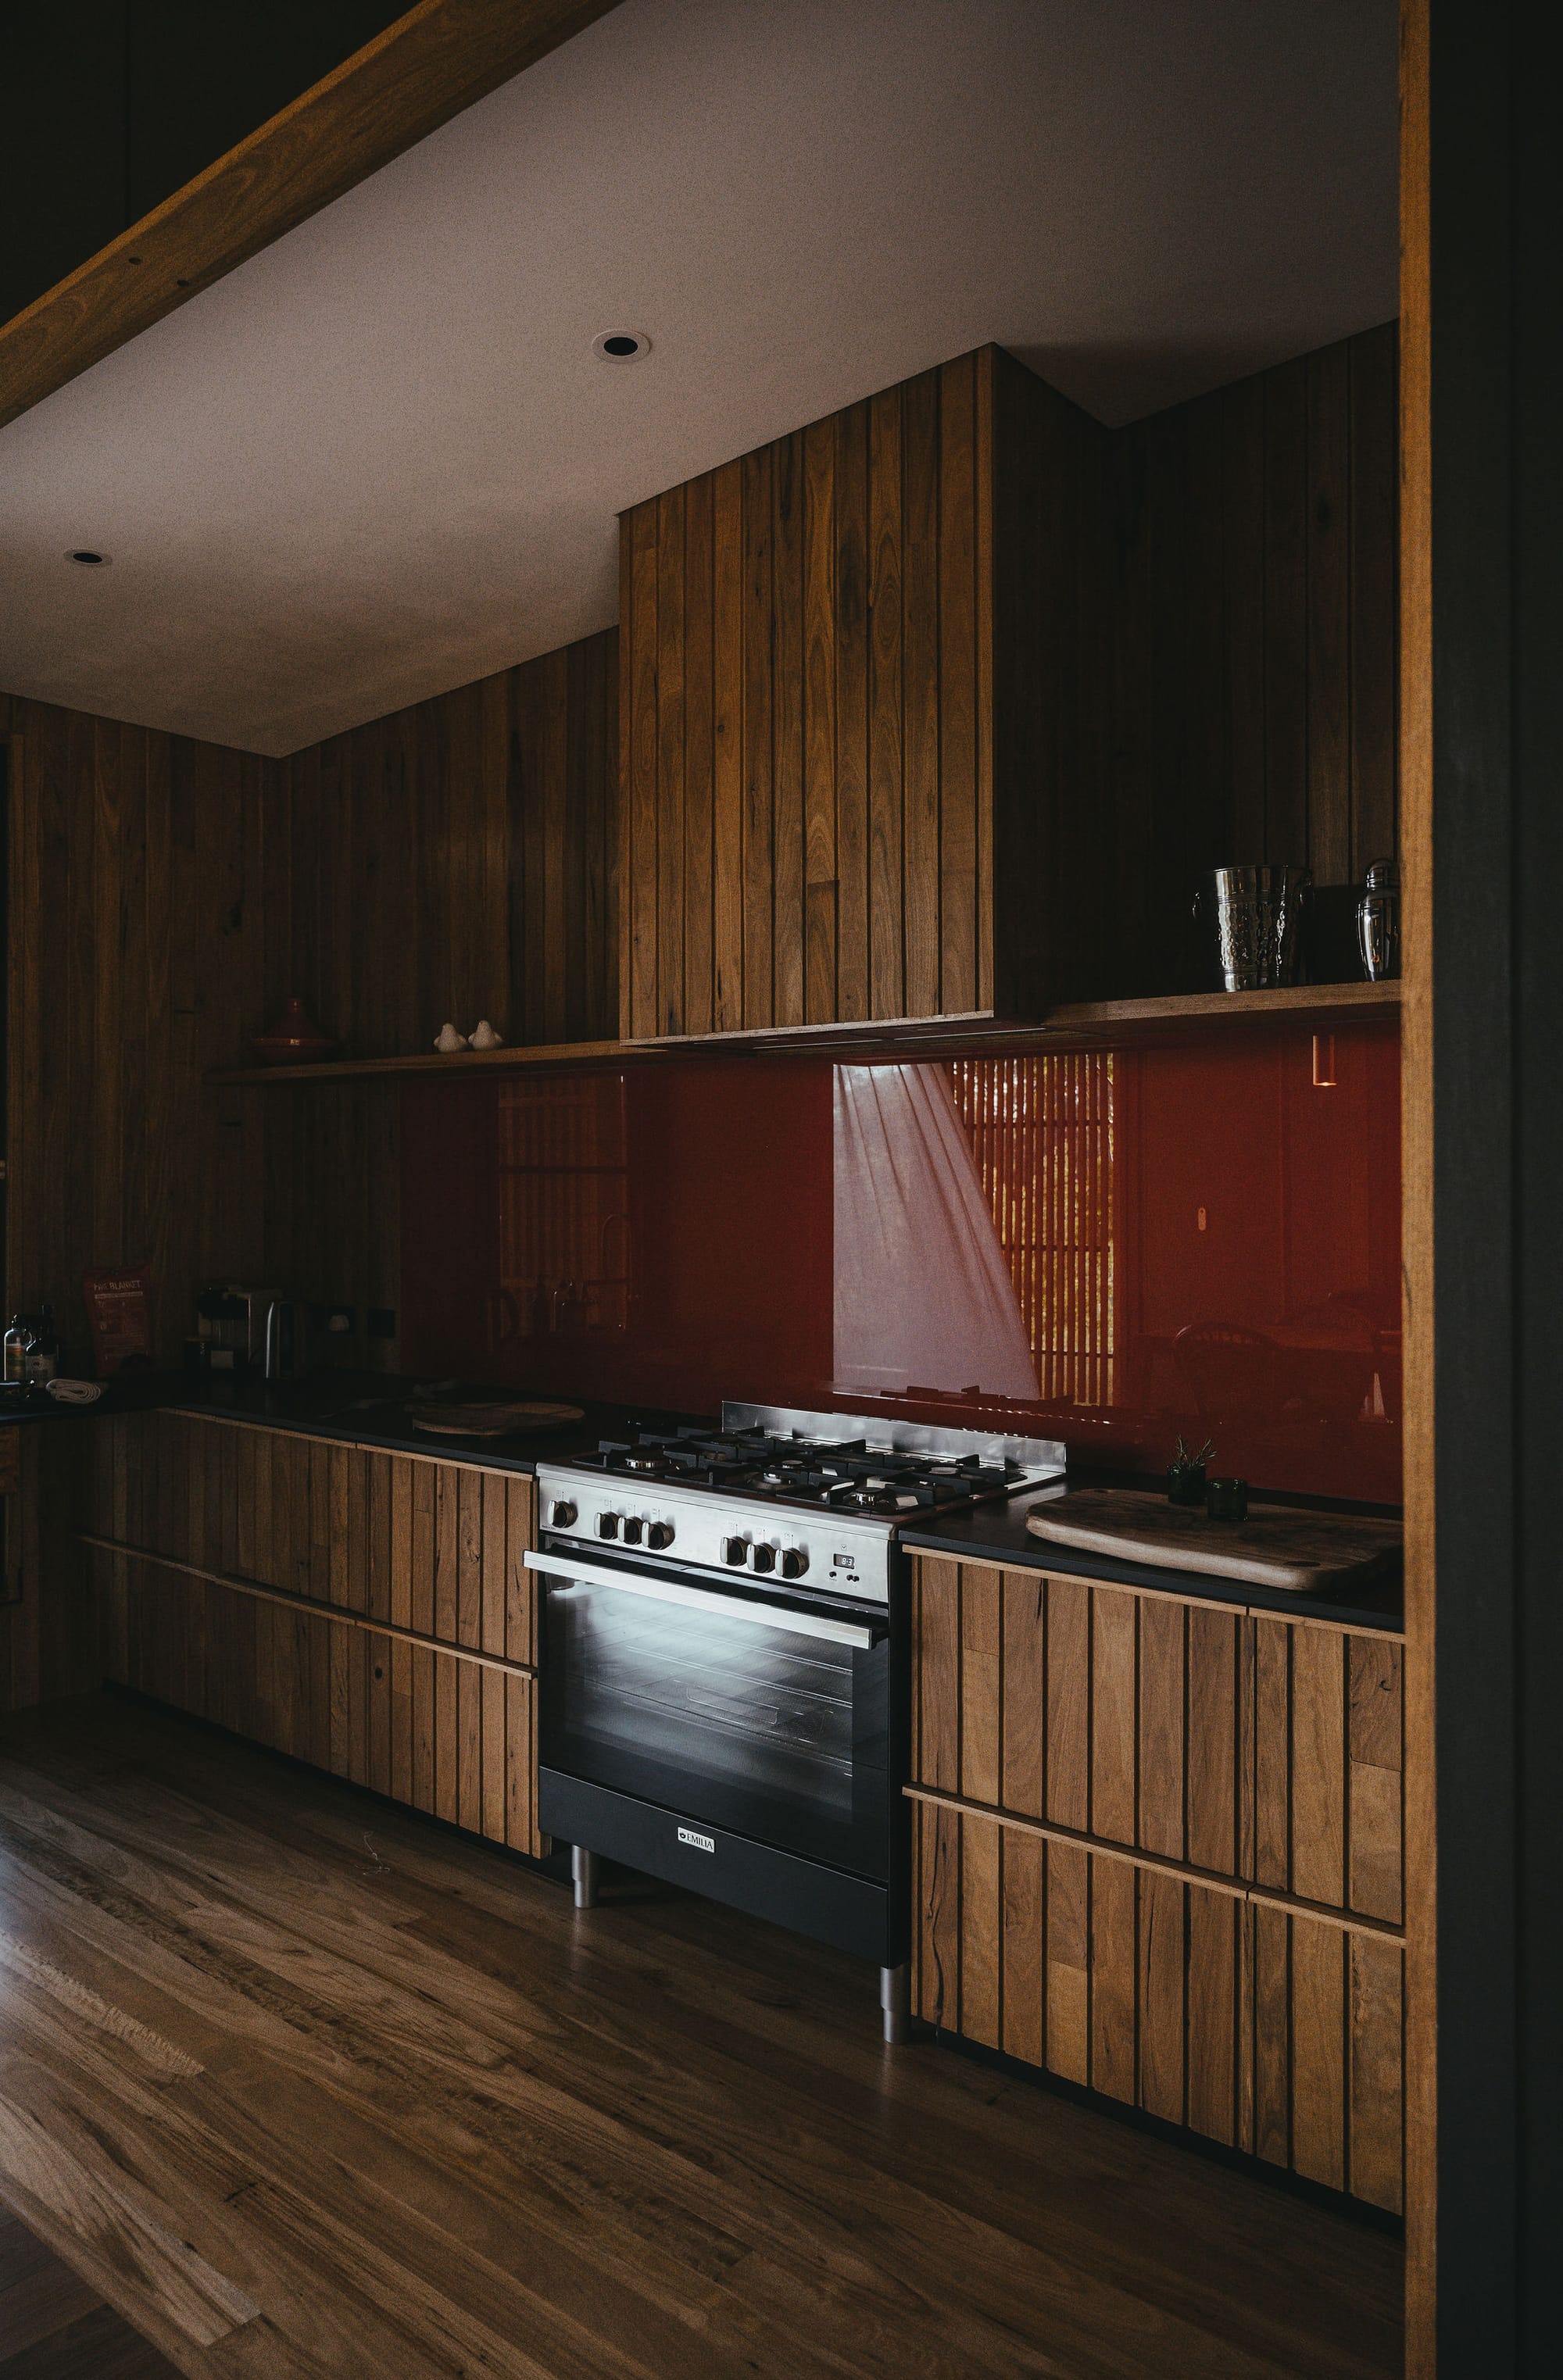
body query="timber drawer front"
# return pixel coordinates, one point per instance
(368, 1612)
(1158, 1853)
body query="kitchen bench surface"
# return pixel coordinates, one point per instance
(997, 1533)
(364, 1409)
(355, 1409)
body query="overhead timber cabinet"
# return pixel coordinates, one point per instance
(858, 717)
(936, 707)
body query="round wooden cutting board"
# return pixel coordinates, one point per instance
(491, 1420)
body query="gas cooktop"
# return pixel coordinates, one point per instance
(833, 1463)
(807, 1501)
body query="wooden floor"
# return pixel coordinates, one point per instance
(53, 2328)
(301, 2085)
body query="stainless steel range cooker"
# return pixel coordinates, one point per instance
(725, 1659)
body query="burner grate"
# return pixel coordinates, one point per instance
(846, 1474)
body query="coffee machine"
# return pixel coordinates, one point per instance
(249, 1331)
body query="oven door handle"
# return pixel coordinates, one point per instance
(699, 1598)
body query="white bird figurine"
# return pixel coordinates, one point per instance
(485, 1037)
(447, 1040)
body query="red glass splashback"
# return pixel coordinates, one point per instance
(1113, 1249)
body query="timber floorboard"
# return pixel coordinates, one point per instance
(53, 2328)
(301, 2085)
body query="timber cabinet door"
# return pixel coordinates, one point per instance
(860, 718)
(1157, 1852)
(371, 1613)
(935, 706)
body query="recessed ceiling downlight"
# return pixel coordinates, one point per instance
(84, 557)
(620, 346)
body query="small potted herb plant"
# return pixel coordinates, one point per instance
(1185, 1473)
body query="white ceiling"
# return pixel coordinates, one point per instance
(380, 459)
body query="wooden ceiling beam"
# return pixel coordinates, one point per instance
(415, 75)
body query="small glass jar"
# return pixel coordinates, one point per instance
(1226, 1500)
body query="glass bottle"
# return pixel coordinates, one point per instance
(18, 1347)
(44, 1355)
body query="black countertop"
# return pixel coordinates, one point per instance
(370, 1409)
(353, 1408)
(998, 1532)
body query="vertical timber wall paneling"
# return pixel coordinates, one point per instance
(402, 1656)
(1253, 593)
(456, 861)
(1165, 1858)
(167, 897)
(855, 700)
(147, 919)
(136, 962)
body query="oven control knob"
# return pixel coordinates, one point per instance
(734, 1551)
(561, 1516)
(659, 1534)
(632, 1527)
(795, 1562)
(608, 1525)
(764, 1557)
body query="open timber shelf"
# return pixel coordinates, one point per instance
(1092, 1024)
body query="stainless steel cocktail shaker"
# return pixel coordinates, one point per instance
(1378, 922)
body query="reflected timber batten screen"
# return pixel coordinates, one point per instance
(563, 1206)
(1042, 1134)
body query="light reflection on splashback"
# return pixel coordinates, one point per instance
(1108, 1247)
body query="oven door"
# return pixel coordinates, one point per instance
(765, 1715)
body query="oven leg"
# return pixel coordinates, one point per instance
(584, 1875)
(895, 2001)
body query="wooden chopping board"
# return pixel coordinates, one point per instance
(490, 1420)
(1301, 1553)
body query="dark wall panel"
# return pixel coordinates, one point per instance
(1252, 590)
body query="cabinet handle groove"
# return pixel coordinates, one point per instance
(1100, 1847)
(338, 1614)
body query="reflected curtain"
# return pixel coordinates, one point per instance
(923, 1297)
